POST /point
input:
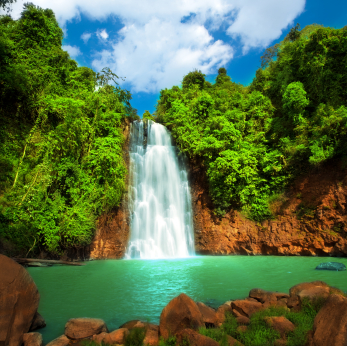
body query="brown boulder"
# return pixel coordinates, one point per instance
(243, 320)
(80, 328)
(314, 292)
(38, 322)
(295, 290)
(32, 339)
(152, 335)
(116, 337)
(281, 324)
(245, 307)
(220, 314)
(208, 314)
(19, 300)
(233, 342)
(242, 329)
(99, 338)
(330, 324)
(181, 312)
(263, 296)
(61, 341)
(193, 338)
(130, 324)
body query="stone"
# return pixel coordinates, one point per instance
(99, 338)
(233, 342)
(181, 312)
(152, 335)
(60, 341)
(193, 338)
(281, 324)
(241, 329)
(246, 308)
(295, 290)
(139, 324)
(331, 266)
(32, 339)
(116, 337)
(220, 314)
(314, 292)
(243, 320)
(280, 342)
(130, 324)
(262, 296)
(19, 300)
(330, 324)
(80, 328)
(209, 315)
(38, 322)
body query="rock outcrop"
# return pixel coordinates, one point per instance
(112, 232)
(19, 300)
(311, 219)
(80, 328)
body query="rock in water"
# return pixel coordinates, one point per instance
(19, 300)
(331, 266)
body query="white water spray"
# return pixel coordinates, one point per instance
(159, 197)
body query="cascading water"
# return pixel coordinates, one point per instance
(159, 197)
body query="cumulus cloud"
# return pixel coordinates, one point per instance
(86, 36)
(73, 51)
(162, 40)
(102, 34)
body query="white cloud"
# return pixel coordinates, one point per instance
(73, 51)
(155, 49)
(86, 36)
(102, 34)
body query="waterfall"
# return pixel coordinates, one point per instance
(159, 196)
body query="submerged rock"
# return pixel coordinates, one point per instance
(331, 266)
(38, 322)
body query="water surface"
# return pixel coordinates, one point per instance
(121, 290)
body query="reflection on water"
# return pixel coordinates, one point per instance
(118, 291)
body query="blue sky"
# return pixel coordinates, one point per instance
(154, 43)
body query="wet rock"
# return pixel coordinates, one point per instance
(220, 314)
(331, 266)
(233, 342)
(314, 292)
(38, 322)
(330, 324)
(209, 315)
(19, 300)
(32, 339)
(99, 338)
(295, 290)
(130, 324)
(281, 324)
(80, 328)
(193, 338)
(60, 341)
(245, 307)
(263, 296)
(181, 312)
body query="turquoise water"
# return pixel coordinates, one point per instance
(121, 290)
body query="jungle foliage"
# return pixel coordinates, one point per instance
(61, 161)
(254, 140)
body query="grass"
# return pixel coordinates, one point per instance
(259, 333)
(135, 337)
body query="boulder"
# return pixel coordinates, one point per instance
(220, 314)
(116, 337)
(99, 338)
(32, 339)
(330, 324)
(281, 324)
(130, 324)
(152, 335)
(233, 342)
(181, 312)
(263, 296)
(246, 307)
(242, 329)
(209, 315)
(19, 300)
(243, 320)
(331, 266)
(80, 328)
(314, 292)
(193, 338)
(295, 290)
(38, 322)
(61, 341)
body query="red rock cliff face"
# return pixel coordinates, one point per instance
(112, 233)
(311, 219)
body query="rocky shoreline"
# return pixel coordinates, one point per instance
(180, 321)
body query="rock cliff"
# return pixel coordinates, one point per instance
(310, 219)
